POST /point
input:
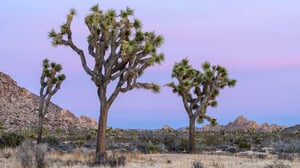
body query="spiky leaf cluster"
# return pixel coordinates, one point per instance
(199, 89)
(50, 79)
(118, 45)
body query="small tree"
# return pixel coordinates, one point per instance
(198, 90)
(121, 52)
(50, 83)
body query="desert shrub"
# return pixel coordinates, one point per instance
(292, 146)
(277, 164)
(111, 161)
(152, 148)
(79, 143)
(147, 147)
(197, 164)
(286, 156)
(132, 134)
(256, 140)
(27, 133)
(116, 161)
(28, 154)
(147, 135)
(212, 140)
(51, 140)
(184, 144)
(40, 152)
(10, 139)
(168, 139)
(46, 131)
(24, 154)
(171, 140)
(243, 143)
(72, 133)
(90, 135)
(141, 146)
(80, 137)
(59, 131)
(32, 135)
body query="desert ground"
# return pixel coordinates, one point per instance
(81, 158)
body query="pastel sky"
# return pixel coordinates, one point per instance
(257, 41)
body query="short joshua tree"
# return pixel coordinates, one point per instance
(50, 83)
(198, 90)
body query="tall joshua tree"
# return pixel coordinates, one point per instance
(198, 90)
(121, 52)
(50, 83)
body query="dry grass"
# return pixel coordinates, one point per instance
(81, 158)
(217, 161)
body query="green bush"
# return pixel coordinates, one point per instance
(184, 144)
(256, 140)
(51, 140)
(212, 140)
(32, 135)
(152, 148)
(10, 139)
(243, 143)
(29, 133)
(46, 131)
(90, 134)
(147, 147)
(79, 142)
(59, 131)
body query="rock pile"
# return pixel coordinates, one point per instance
(18, 110)
(241, 123)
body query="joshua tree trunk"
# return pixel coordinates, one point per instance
(40, 129)
(40, 121)
(101, 139)
(102, 124)
(192, 135)
(44, 103)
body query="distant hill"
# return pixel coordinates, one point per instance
(292, 130)
(18, 110)
(241, 123)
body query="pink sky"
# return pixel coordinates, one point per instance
(257, 41)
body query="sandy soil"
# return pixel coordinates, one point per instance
(78, 160)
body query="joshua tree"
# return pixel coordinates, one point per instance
(198, 90)
(121, 52)
(50, 83)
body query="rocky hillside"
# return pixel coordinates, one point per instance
(241, 123)
(18, 110)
